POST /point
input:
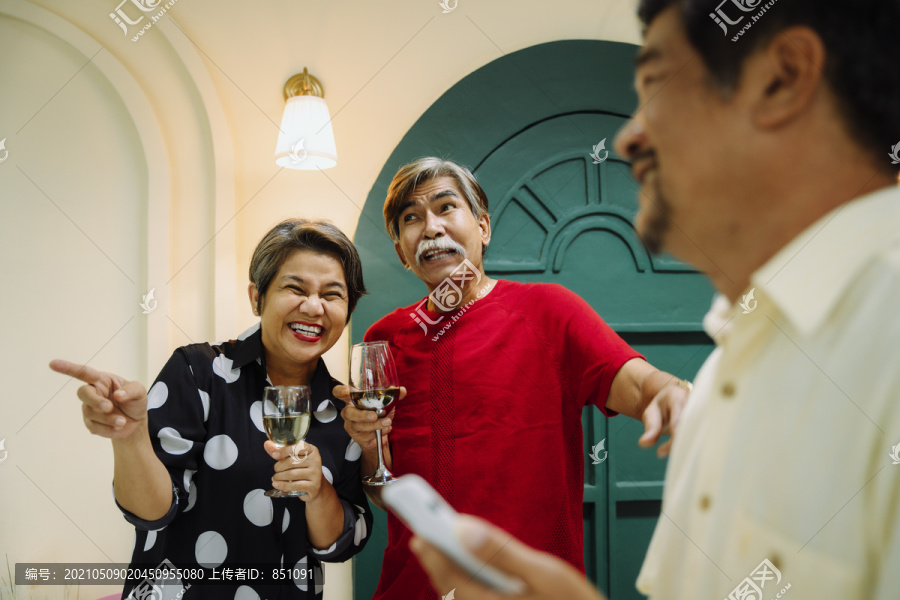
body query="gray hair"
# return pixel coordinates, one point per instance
(423, 170)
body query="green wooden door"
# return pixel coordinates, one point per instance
(526, 123)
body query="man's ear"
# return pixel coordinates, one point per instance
(484, 222)
(400, 255)
(785, 77)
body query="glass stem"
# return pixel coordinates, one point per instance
(381, 467)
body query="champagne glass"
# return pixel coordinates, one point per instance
(374, 386)
(286, 413)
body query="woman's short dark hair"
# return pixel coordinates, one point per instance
(320, 237)
(860, 40)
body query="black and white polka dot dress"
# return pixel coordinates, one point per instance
(205, 420)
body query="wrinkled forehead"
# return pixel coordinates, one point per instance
(443, 185)
(432, 190)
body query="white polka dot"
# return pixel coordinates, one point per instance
(157, 395)
(204, 399)
(171, 589)
(220, 452)
(300, 582)
(326, 412)
(353, 451)
(186, 479)
(253, 329)
(151, 539)
(258, 508)
(192, 497)
(359, 531)
(210, 549)
(191, 488)
(172, 442)
(286, 521)
(326, 472)
(245, 592)
(222, 368)
(256, 415)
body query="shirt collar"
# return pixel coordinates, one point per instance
(249, 347)
(806, 278)
(718, 321)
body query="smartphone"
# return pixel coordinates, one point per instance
(429, 516)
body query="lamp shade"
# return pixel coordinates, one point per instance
(306, 140)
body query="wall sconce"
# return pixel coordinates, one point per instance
(306, 140)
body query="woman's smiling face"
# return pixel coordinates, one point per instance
(304, 311)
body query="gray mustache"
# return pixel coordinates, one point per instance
(443, 243)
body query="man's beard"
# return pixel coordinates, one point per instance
(657, 223)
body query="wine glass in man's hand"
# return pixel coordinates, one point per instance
(374, 386)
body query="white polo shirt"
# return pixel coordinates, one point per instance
(784, 451)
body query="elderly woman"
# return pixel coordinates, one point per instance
(192, 461)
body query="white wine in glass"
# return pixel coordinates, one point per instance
(286, 413)
(374, 386)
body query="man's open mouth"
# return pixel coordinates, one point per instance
(438, 254)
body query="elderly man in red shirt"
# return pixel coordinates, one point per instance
(497, 383)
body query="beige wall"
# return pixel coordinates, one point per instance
(148, 164)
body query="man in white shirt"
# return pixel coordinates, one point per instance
(763, 160)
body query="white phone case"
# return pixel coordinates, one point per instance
(423, 510)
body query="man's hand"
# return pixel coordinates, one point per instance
(111, 406)
(651, 396)
(361, 425)
(662, 415)
(546, 577)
